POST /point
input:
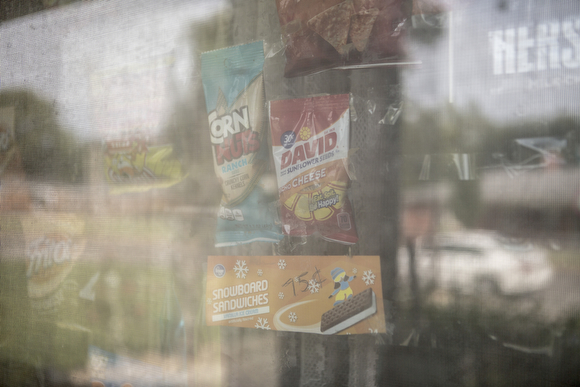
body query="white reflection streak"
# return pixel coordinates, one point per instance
(450, 57)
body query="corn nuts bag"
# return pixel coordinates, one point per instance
(234, 94)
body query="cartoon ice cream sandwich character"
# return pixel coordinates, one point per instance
(349, 313)
(342, 288)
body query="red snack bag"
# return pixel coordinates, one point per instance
(310, 140)
(325, 34)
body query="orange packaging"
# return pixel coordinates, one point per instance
(310, 294)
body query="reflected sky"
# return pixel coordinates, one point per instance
(88, 56)
(96, 62)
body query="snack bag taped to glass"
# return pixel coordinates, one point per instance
(136, 163)
(126, 102)
(325, 34)
(310, 138)
(234, 94)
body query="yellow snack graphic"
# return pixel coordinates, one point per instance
(305, 133)
(320, 204)
(131, 165)
(298, 203)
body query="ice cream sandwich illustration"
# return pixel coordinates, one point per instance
(349, 312)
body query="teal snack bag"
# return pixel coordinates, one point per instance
(234, 95)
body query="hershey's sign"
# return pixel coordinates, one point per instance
(547, 46)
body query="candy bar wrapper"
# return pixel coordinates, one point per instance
(310, 141)
(128, 112)
(326, 34)
(234, 94)
(310, 294)
(134, 164)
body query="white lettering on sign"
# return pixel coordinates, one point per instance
(548, 46)
(228, 124)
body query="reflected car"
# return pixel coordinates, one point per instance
(478, 261)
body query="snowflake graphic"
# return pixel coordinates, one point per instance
(374, 331)
(262, 323)
(282, 264)
(281, 295)
(354, 271)
(260, 272)
(241, 269)
(292, 316)
(209, 301)
(296, 279)
(313, 286)
(368, 277)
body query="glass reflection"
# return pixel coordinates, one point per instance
(109, 198)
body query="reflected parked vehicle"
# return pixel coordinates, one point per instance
(478, 261)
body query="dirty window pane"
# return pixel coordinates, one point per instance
(289, 193)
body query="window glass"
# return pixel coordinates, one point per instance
(289, 193)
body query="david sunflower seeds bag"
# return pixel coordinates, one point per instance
(310, 140)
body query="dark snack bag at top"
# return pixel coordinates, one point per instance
(324, 34)
(310, 140)
(234, 95)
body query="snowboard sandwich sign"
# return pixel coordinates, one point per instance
(310, 294)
